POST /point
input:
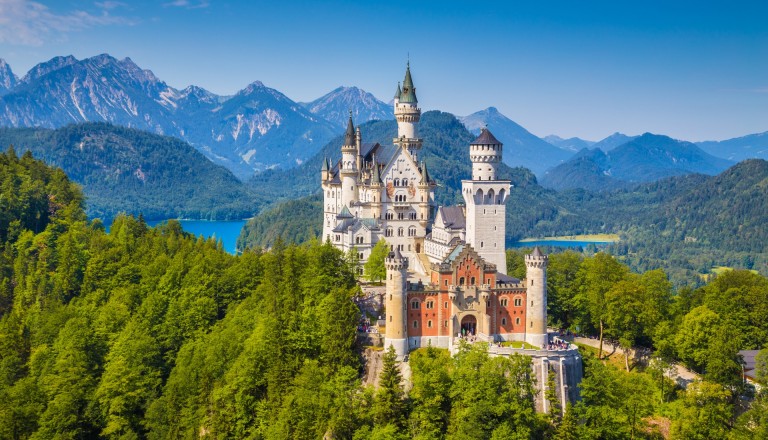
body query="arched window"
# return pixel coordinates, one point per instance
(517, 321)
(504, 302)
(461, 281)
(503, 321)
(399, 232)
(472, 281)
(490, 195)
(429, 324)
(405, 182)
(415, 324)
(415, 304)
(518, 302)
(430, 304)
(397, 182)
(412, 231)
(388, 233)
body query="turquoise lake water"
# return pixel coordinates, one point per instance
(226, 231)
(558, 243)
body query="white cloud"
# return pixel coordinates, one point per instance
(30, 23)
(189, 5)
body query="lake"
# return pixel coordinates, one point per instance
(226, 231)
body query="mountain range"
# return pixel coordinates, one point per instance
(259, 129)
(645, 158)
(255, 129)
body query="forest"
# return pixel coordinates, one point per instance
(152, 333)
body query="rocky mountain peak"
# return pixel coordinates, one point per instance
(47, 67)
(7, 78)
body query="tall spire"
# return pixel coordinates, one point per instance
(408, 94)
(424, 173)
(349, 138)
(375, 176)
(398, 92)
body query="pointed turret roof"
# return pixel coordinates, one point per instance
(424, 173)
(398, 91)
(398, 255)
(325, 164)
(537, 252)
(486, 138)
(376, 175)
(349, 137)
(408, 94)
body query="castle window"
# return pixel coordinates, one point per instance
(415, 305)
(390, 318)
(504, 302)
(397, 182)
(415, 324)
(531, 303)
(388, 232)
(503, 321)
(461, 281)
(518, 302)
(531, 324)
(430, 304)
(531, 282)
(412, 231)
(445, 324)
(517, 321)
(405, 182)
(472, 281)
(389, 216)
(360, 255)
(446, 282)
(445, 305)
(399, 232)
(481, 244)
(429, 324)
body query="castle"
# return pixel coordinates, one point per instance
(446, 268)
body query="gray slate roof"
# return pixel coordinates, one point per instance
(453, 216)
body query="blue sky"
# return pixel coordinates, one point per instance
(691, 70)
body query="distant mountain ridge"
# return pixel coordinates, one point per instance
(644, 158)
(336, 105)
(753, 146)
(573, 144)
(255, 129)
(521, 148)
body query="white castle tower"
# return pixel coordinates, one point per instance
(349, 171)
(485, 198)
(396, 301)
(407, 113)
(536, 280)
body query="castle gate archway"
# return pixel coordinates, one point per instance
(469, 325)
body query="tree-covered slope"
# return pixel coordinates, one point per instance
(128, 170)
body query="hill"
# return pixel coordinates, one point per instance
(336, 105)
(254, 129)
(753, 146)
(521, 148)
(132, 171)
(645, 158)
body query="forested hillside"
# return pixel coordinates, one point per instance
(132, 171)
(153, 333)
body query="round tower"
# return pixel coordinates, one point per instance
(376, 189)
(485, 154)
(536, 284)
(349, 170)
(396, 301)
(407, 114)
